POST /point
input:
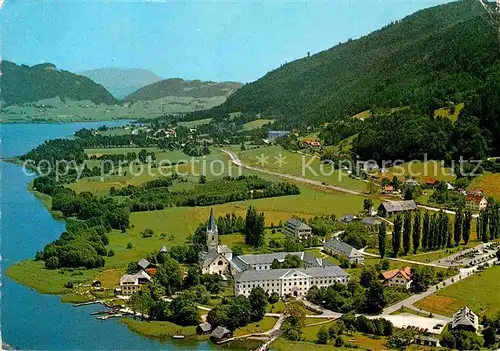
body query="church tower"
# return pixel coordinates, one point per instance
(212, 233)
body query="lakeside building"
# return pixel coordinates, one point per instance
(297, 229)
(289, 282)
(130, 283)
(337, 247)
(275, 134)
(465, 319)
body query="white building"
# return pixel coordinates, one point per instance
(130, 283)
(294, 282)
(465, 319)
(337, 247)
(297, 229)
(397, 277)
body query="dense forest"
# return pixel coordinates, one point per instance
(20, 84)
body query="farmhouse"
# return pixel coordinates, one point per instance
(475, 202)
(297, 229)
(337, 247)
(431, 182)
(465, 319)
(411, 182)
(130, 283)
(220, 333)
(216, 259)
(389, 208)
(397, 277)
(289, 282)
(264, 261)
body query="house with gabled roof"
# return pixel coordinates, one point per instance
(297, 229)
(389, 208)
(397, 277)
(475, 202)
(337, 247)
(130, 283)
(465, 319)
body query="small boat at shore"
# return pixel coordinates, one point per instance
(178, 336)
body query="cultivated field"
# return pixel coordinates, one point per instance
(447, 112)
(256, 124)
(481, 292)
(489, 182)
(299, 165)
(420, 171)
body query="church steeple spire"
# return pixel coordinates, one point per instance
(212, 233)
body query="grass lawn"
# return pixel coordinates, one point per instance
(158, 329)
(360, 341)
(489, 182)
(194, 124)
(363, 115)
(420, 171)
(480, 292)
(34, 275)
(309, 333)
(446, 112)
(261, 326)
(300, 165)
(278, 307)
(410, 311)
(256, 124)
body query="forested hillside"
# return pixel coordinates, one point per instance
(20, 84)
(180, 87)
(438, 54)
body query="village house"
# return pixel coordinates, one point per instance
(216, 259)
(289, 282)
(411, 182)
(397, 277)
(389, 190)
(475, 202)
(431, 182)
(220, 333)
(424, 340)
(371, 222)
(130, 283)
(337, 247)
(390, 208)
(311, 143)
(465, 319)
(204, 328)
(297, 229)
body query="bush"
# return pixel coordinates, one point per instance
(69, 285)
(322, 336)
(274, 297)
(129, 246)
(52, 263)
(147, 233)
(111, 253)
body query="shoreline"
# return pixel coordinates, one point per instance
(35, 121)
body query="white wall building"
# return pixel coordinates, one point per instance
(294, 282)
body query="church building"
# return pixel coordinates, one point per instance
(217, 258)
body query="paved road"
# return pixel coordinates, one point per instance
(436, 209)
(406, 261)
(237, 161)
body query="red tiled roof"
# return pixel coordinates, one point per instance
(474, 198)
(388, 188)
(151, 271)
(405, 272)
(430, 181)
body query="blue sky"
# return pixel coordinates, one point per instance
(216, 40)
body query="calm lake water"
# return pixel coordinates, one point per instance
(32, 321)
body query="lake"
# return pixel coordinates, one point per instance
(29, 320)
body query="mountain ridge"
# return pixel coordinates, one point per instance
(121, 82)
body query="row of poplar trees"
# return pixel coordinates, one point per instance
(488, 223)
(431, 232)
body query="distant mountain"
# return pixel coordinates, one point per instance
(122, 82)
(20, 84)
(180, 87)
(444, 53)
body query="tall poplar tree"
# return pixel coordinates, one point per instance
(425, 231)
(467, 226)
(416, 231)
(458, 227)
(382, 237)
(396, 236)
(407, 233)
